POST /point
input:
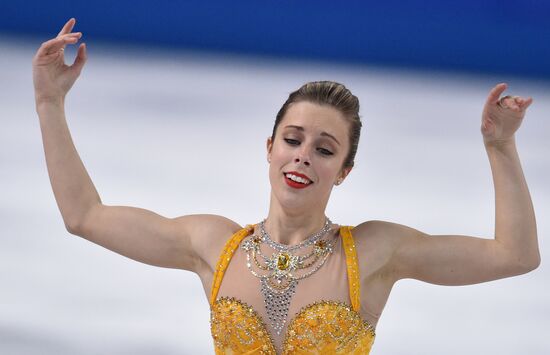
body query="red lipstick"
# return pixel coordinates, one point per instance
(295, 184)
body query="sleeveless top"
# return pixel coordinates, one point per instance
(322, 327)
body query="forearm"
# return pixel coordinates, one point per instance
(73, 189)
(515, 224)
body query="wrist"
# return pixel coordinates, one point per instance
(49, 101)
(499, 143)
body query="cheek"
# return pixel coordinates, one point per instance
(277, 163)
(279, 155)
(327, 175)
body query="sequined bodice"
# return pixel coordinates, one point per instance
(323, 327)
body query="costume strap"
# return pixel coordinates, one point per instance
(352, 267)
(229, 249)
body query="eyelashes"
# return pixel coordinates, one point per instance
(296, 142)
(292, 141)
(325, 152)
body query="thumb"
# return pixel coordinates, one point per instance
(80, 60)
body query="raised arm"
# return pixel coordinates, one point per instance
(142, 235)
(72, 187)
(461, 260)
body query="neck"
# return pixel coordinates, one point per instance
(293, 228)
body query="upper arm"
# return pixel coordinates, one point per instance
(447, 259)
(148, 237)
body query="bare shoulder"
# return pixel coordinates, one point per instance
(387, 235)
(377, 241)
(208, 235)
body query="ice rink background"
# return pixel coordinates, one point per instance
(180, 132)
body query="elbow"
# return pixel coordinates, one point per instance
(517, 263)
(535, 264)
(529, 265)
(75, 224)
(71, 228)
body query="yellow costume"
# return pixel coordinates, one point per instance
(322, 327)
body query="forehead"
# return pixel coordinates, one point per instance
(315, 119)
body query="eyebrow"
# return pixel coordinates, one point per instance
(299, 128)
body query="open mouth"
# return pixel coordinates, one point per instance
(297, 181)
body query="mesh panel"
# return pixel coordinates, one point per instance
(329, 283)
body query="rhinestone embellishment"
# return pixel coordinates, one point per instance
(283, 269)
(324, 327)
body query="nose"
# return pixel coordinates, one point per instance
(297, 160)
(302, 156)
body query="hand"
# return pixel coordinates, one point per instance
(52, 78)
(502, 117)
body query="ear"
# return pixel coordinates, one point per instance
(343, 175)
(269, 146)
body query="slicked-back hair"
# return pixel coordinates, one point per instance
(331, 94)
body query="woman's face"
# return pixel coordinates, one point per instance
(311, 143)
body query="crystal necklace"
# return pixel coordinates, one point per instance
(283, 269)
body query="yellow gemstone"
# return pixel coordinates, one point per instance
(283, 261)
(265, 348)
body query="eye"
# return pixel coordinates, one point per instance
(292, 141)
(296, 142)
(325, 152)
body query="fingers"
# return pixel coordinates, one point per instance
(68, 27)
(514, 103)
(56, 44)
(508, 102)
(524, 103)
(70, 38)
(495, 93)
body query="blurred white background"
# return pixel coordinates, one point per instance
(182, 133)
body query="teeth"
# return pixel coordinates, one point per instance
(298, 179)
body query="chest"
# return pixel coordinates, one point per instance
(319, 313)
(321, 328)
(327, 282)
(325, 295)
(331, 280)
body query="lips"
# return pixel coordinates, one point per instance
(296, 184)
